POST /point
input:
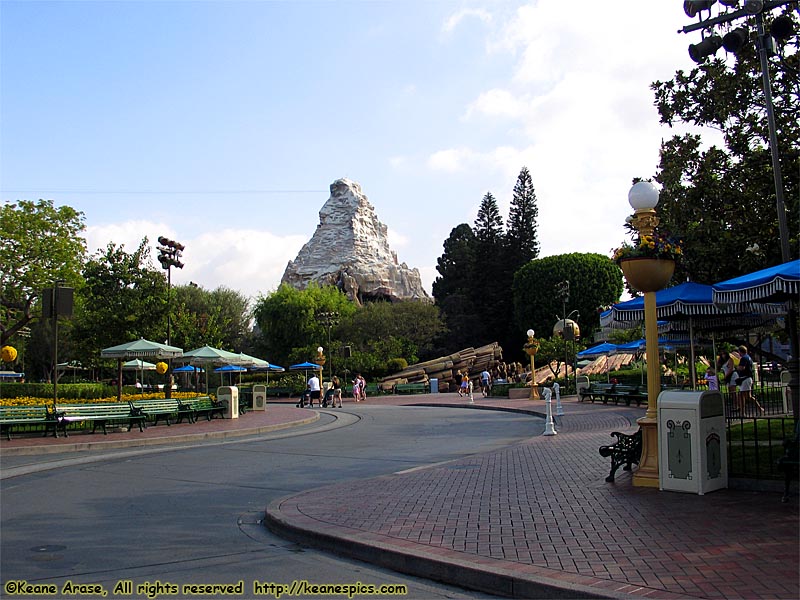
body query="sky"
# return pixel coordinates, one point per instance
(222, 124)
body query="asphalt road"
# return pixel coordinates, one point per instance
(192, 514)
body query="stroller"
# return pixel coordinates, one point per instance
(328, 398)
(305, 399)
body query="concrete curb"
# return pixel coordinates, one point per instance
(284, 517)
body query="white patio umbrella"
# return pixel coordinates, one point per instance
(140, 348)
(207, 355)
(137, 364)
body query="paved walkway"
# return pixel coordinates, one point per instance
(536, 519)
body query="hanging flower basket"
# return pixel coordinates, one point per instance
(532, 347)
(647, 274)
(161, 368)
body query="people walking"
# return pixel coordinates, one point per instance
(486, 382)
(337, 391)
(745, 380)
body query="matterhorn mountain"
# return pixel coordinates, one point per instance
(350, 249)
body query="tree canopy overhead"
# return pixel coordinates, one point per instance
(721, 201)
(42, 243)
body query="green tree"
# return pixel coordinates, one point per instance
(521, 237)
(391, 330)
(124, 298)
(452, 288)
(722, 201)
(287, 318)
(219, 318)
(595, 281)
(41, 243)
(492, 276)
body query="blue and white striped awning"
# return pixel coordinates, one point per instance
(780, 283)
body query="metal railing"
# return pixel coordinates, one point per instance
(755, 438)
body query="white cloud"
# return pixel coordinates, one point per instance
(246, 260)
(451, 160)
(498, 103)
(455, 19)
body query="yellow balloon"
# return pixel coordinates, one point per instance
(161, 368)
(8, 354)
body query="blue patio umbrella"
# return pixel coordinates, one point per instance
(231, 369)
(306, 367)
(690, 303)
(188, 369)
(780, 283)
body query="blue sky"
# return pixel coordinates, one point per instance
(222, 124)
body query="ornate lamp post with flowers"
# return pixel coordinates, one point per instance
(648, 265)
(531, 348)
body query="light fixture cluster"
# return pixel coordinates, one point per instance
(781, 29)
(169, 253)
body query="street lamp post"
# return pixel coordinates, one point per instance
(532, 347)
(648, 276)
(329, 319)
(782, 28)
(169, 256)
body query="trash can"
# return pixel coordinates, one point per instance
(259, 397)
(434, 386)
(230, 396)
(692, 443)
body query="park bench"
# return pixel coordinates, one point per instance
(99, 415)
(155, 409)
(625, 451)
(202, 406)
(411, 388)
(628, 393)
(789, 463)
(595, 391)
(28, 416)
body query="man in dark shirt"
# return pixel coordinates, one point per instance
(745, 380)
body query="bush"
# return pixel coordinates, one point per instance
(395, 365)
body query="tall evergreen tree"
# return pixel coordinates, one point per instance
(456, 267)
(521, 237)
(492, 282)
(489, 223)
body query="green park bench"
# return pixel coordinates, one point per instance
(411, 388)
(153, 410)
(203, 406)
(28, 417)
(99, 415)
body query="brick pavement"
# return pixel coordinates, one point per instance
(536, 519)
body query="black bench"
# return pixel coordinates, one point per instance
(789, 462)
(625, 451)
(628, 393)
(411, 388)
(100, 415)
(167, 407)
(27, 416)
(204, 406)
(595, 391)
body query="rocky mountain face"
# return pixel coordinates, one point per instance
(350, 249)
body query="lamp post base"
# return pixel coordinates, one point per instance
(647, 473)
